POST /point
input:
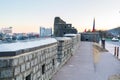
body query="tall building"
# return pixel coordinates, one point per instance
(61, 27)
(45, 32)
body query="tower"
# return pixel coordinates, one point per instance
(93, 30)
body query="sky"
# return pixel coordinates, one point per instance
(29, 15)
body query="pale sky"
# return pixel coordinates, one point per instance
(29, 15)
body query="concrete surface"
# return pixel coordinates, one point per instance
(81, 65)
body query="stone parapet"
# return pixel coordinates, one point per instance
(30, 64)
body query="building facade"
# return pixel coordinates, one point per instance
(45, 32)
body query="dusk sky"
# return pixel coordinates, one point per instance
(29, 15)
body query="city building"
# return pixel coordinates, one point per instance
(45, 32)
(61, 28)
(7, 30)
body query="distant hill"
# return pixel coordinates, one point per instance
(114, 31)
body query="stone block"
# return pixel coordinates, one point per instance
(17, 70)
(34, 70)
(4, 63)
(36, 61)
(39, 66)
(41, 58)
(34, 55)
(26, 58)
(32, 63)
(19, 77)
(27, 65)
(15, 62)
(21, 59)
(34, 77)
(22, 68)
(27, 72)
(39, 78)
(6, 73)
(38, 74)
(30, 56)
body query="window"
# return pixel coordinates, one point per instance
(53, 62)
(65, 26)
(28, 77)
(43, 68)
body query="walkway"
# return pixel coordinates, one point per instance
(81, 66)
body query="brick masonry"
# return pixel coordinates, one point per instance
(20, 66)
(30, 65)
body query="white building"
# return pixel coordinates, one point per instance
(7, 30)
(45, 32)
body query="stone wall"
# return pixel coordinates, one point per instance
(39, 63)
(75, 41)
(36, 65)
(64, 49)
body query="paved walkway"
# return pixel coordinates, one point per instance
(107, 66)
(81, 66)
